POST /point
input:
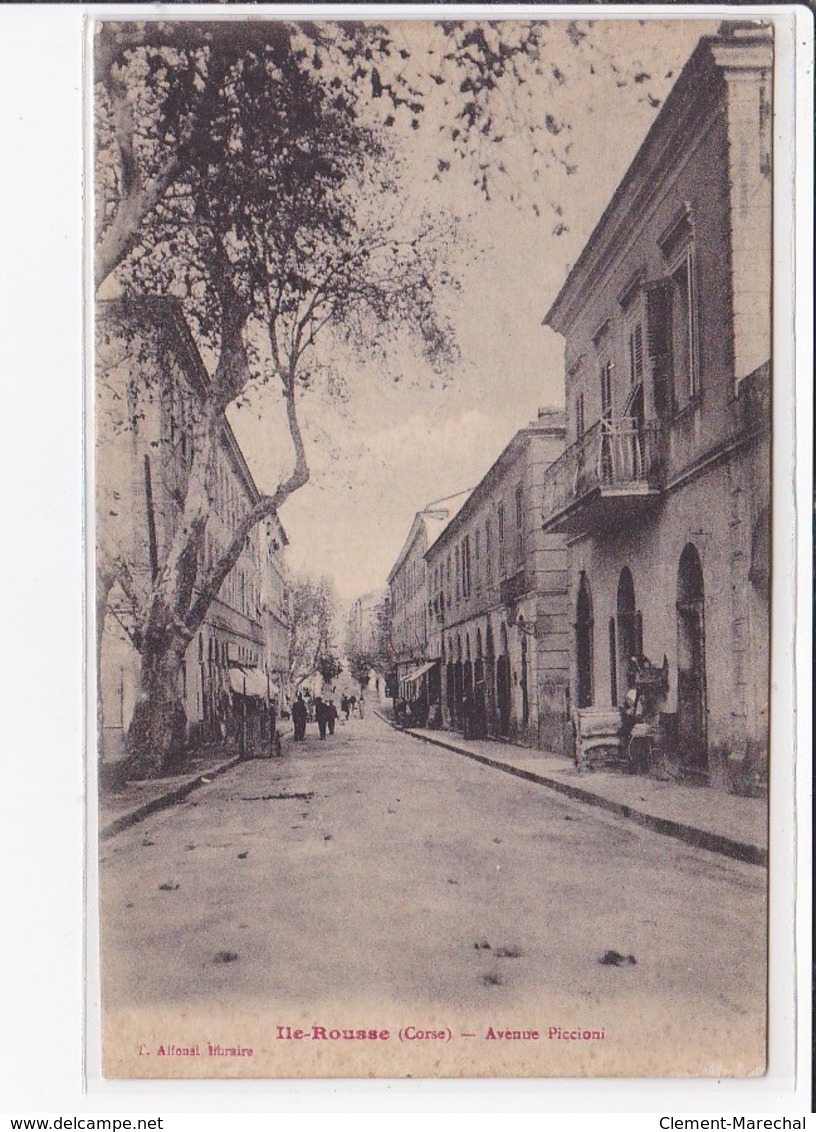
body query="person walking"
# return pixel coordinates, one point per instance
(361, 705)
(299, 718)
(345, 706)
(321, 716)
(331, 716)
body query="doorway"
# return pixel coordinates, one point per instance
(583, 643)
(692, 722)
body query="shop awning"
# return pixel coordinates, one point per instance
(418, 673)
(248, 682)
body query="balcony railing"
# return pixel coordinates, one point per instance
(611, 457)
(512, 588)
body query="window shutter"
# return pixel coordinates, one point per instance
(636, 355)
(606, 390)
(658, 341)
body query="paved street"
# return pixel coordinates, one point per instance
(376, 876)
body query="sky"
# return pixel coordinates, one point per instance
(402, 438)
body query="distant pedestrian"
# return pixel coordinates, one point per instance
(345, 706)
(352, 703)
(331, 716)
(361, 705)
(299, 714)
(321, 716)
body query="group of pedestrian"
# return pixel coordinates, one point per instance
(325, 714)
(350, 704)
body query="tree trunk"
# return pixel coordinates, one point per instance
(157, 734)
(158, 730)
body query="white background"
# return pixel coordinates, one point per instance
(42, 816)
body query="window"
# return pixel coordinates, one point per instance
(500, 523)
(458, 555)
(519, 521)
(684, 329)
(607, 458)
(488, 551)
(674, 335)
(477, 555)
(466, 566)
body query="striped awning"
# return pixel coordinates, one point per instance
(248, 681)
(418, 673)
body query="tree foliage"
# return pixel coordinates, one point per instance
(368, 645)
(312, 647)
(236, 179)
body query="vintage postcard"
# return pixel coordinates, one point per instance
(433, 396)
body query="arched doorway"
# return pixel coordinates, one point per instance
(503, 686)
(692, 731)
(630, 632)
(490, 681)
(458, 686)
(525, 689)
(479, 696)
(583, 643)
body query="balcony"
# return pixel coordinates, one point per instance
(514, 587)
(611, 475)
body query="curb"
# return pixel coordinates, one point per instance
(164, 801)
(699, 838)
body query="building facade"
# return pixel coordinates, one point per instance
(413, 676)
(497, 602)
(366, 623)
(149, 374)
(664, 491)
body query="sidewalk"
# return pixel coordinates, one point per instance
(709, 819)
(136, 800)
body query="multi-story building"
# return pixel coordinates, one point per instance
(663, 492)
(414, 676)
(497, 589)
(149, 373)
(367, 620)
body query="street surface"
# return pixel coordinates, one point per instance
(374, 879)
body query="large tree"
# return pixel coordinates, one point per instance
(275, 231)
(241, 167)
(369, 647)
(312, 646)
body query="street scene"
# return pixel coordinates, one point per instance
(432, 409)
(374, 877)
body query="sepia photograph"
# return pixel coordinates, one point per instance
(432, 404)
